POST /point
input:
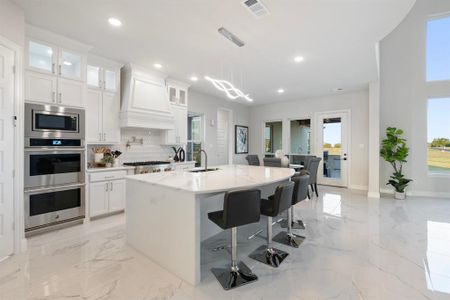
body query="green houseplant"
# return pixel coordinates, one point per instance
(394, 151)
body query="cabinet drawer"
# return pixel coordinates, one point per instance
(103, 176)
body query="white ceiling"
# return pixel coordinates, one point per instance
(336, 37)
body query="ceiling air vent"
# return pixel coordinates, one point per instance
(256, 8)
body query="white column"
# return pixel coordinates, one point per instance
(374, 140)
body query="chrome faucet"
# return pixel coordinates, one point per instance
(206, 158)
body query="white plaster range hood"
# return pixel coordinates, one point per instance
(144, 99)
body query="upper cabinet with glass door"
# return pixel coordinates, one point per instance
(178, 92)
(102, 78)
(50, 59)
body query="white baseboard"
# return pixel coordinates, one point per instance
(375, 195)
(416, 193)
(358, 187)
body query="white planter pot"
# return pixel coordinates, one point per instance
(399, 196)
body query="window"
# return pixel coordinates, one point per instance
(438, 49)
(273, 132)
(439, 135)
(195, 137)
(300, 137)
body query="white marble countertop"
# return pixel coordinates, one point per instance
(94, 170)
(227, 178)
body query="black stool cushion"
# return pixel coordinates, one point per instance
(300, 188)
(279, 202)
(239, 208)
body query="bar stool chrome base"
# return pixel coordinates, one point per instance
(289, 239)
(269, 256)
(234, 276)
(294, 225)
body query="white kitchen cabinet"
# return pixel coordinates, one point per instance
(71, 92)
(102, 117)
(94, 115)
(98, 198)
(177, 136)
(117, 195)
(103, 78)
(54, 74)
(107, 192)
(40, 87)
(178, 92)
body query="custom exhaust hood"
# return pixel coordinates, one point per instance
(144, 99)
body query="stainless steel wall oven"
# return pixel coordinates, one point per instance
(54, 166)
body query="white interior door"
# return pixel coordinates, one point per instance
(223, 126)
(6, 151)
(332, 145)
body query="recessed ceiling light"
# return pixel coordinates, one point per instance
(299, 59)
(67, 63)
(338, 89)
(115, 22)
(158, 66)
(194, 78)
(280, 91)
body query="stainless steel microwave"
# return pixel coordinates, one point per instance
(48, 121)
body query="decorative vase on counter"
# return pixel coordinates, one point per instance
(98, 157)
(116, 163)
(108, 165)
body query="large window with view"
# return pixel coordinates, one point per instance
(438, 109)
(273, 133)
(439, 135)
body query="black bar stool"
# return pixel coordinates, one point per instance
(300, 190)
(239, 208)
(277, 203)
(300, 193)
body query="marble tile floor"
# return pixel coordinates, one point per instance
(356, 248)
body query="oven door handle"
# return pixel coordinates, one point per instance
(58, 149)
(54, 189)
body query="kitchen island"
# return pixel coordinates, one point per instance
(167, 212)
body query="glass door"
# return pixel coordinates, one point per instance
(332, 147)
(41, 57)
(70, 65)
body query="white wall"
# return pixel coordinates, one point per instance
(207, 105)
(403, 94)
(356, 102)
(12, 22)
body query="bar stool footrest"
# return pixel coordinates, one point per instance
(292, 240)
(230, 279)
(272, 258)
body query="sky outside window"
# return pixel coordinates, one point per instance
(438, 49)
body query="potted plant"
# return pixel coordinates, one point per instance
(108, 160)
(395, 152)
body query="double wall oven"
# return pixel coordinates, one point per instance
(54, 166)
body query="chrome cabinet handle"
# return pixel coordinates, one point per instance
(112, 184)
(106, 188)
(60, 97)
(59, 70)
(104, 136)
(54, 97)
(53, 68)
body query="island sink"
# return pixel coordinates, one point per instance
(203, 170)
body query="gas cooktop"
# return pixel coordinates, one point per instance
(146, 163)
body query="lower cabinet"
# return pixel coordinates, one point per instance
(106, 196)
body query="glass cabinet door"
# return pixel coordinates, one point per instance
(70, 64)
(41, 57)
(110, 80)
(182, 97)
(93, 76)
